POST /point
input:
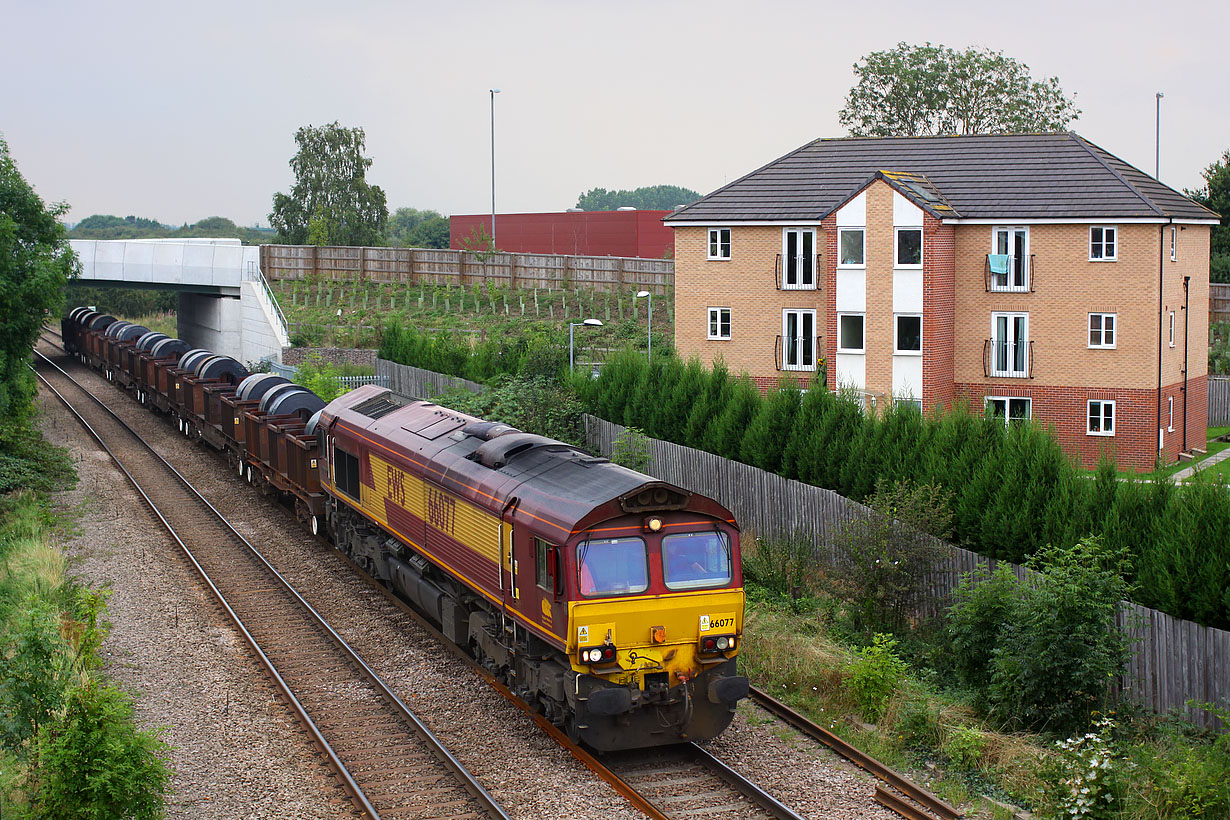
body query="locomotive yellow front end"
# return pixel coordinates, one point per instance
(654, 635)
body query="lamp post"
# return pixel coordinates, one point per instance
(493, 91)
(1157, 140)
(642, 295)
(571, 325)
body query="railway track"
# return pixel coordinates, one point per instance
(385, 758)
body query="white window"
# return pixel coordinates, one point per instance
(1010, 408)
(850, 248)
(1174, 247)
(1102, 330)
(1101, 418)
(1170, 426)
(1009, 260)
(719, 323)
(798, 258)
(909, 247)
(907, 334)
(1172, 328)
(719, 243)
(1102, 243)
(1009, 345)
(850, 333)
(798, 340)
(916, 404)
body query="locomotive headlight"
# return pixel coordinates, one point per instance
(723, 643)
(653, 524)
(592, 656)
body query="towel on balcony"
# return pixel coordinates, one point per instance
(999, 262)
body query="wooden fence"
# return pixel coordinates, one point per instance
(459, 267)
(1173, 660)
(1219, 401)
(417, 383)
(1219, 302)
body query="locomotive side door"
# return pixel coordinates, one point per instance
(548, 607)
(509, 580)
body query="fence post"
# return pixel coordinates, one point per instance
(315, 268)
(621, 274)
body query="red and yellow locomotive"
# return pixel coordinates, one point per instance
(612, 601)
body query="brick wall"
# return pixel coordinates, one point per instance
(939, 327)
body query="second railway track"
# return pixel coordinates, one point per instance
(384, 756)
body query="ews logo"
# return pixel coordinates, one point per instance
(441, 510)
(397, 486)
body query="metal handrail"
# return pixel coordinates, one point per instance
(271, 301)
(1008, 287)
(779, 353)
(988, 357)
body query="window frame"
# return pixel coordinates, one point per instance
(1101, 243)
(1101, 417)
(863, 233)
(814, 255)
(1010, 315)
(854, 351)
(1172, 328)
(710, 243)
(897, 349)
(1170, 426)
(1022, 264)
(1114, 331)
(897, 263)
(597, 595)
(1007, 400)
(787, 349)
(679, 586)
(1174, 243)
(541, 577)
(709, 325)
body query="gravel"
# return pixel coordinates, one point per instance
(524, 769)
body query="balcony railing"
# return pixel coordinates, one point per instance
(782, 284)
(797, 352)
(1007, 359)
(1017, 276)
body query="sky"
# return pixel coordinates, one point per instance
(178, 111)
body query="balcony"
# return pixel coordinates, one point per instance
(797, 352)
(1008, 359)
(1009, 273)
(802, 269)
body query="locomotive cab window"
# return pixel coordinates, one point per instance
(612, 566)
(696, 560)
(346, 472)
(545, 556)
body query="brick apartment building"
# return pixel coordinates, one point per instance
(1036, 275)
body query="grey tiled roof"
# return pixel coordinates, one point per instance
(1008, 176)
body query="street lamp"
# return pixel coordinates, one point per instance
(1157, 140)
(643, 294)
(494, 91)
(571, 325)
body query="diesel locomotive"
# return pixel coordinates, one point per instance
(609, 600)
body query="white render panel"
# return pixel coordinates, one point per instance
(905, 213)
(907, 377)
(852, 371)
(852, 291)
(854, 213)
(168, 263)
(907, 291)
(138, 262)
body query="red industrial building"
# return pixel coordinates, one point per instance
(579, 233)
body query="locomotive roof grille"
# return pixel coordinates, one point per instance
(379, 406)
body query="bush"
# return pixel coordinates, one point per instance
(874, 676)
(982, 604)
(1182, 778)
(786, 566)
(1084, 779)
(534, 405)
(631, 450)
(964, 746)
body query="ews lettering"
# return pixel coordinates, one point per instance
(441, 511)
(397, 486)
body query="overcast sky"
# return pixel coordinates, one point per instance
(180, 111)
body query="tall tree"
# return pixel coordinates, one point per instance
(1215, 195)
(928, 90)
(35, 262)
(331, 202)
(652, 198)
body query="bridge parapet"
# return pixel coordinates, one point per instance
(204, 265)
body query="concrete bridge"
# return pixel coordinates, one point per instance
(225, 303)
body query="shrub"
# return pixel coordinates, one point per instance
(1084, 779)
(631, 450)
(874, 676)
(982, 604)
(770, 427)
(786, 566)
(964, 746)
(917, 723)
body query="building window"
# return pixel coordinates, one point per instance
(719, 243)
(1009, 408)
(1170, 426)
(913, 404)
(909, 247)
(850, 248)
(1174, 246)
(1009, 260)
(1010, 344)
(1102, 330)
(1172, 328)
(1102, 243)
(1101, 418)
(850, 333)
(798, 258)
(719, 323)
(907, 334)
(798, 340)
